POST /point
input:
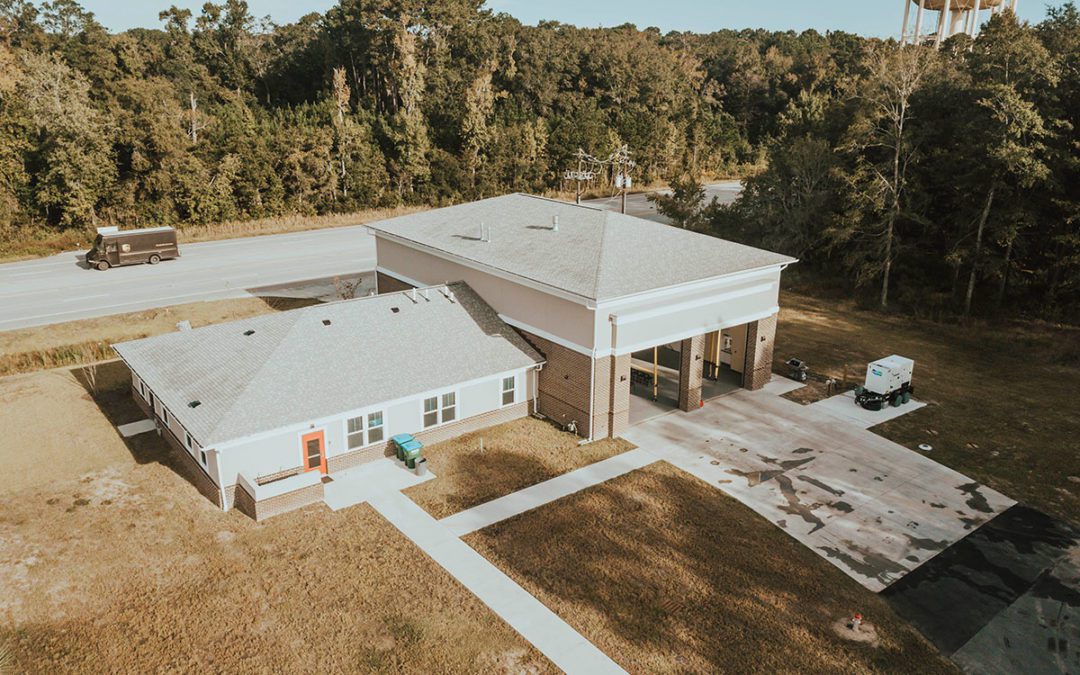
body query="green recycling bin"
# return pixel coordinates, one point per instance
(412, 453)
(400, 441)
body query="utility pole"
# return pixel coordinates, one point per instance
(620, 160)
(580, 175)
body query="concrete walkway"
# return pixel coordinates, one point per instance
(358, 484)
(566, 648)
(136, 428)
(502, 508)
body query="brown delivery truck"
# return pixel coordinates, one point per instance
(114, 247)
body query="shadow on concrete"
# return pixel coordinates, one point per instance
(955, 595)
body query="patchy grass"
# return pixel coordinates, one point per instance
(85, 341)
(20, 243)
(111, 570)
(1002, 396)
(666, 574)
(515, 455)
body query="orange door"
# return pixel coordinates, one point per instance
(314, 451)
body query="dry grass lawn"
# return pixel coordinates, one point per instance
(77, 342)
(666, 574)
(1002, 397)
(126, 568)
(515, 455)
(34, 242)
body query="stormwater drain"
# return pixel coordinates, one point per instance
(925, 447)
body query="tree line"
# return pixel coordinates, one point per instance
(939, 179)
(941, 182)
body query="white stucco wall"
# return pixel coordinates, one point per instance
(281, 449)
(675, 314)
(554, 315)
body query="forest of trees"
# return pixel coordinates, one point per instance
(935, 181)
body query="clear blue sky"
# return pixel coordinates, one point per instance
(867, 17)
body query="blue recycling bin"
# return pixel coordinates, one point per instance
(400, 441)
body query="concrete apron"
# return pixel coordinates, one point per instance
(872, 508)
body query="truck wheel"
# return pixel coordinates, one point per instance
(102, 265)
(155, 259)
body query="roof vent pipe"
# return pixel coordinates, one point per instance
(555, 223)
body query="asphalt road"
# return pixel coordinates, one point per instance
(638, 204)
(60, 288)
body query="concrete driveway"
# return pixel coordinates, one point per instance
(871, 507)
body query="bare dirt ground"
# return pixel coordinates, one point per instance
(516, 455)
(126, 568)
(1002, 397)
(665, 574)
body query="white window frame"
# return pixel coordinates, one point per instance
(165, 416)
(188, 442)
(365, 428)
(381, 426)
(142, 389)
(202, 457)
(504, 391)
(440, 409)
(361, 432)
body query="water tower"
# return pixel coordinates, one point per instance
(954, 17)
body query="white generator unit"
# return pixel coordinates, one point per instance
(888, 381)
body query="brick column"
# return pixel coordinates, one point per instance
(690, 370)
(760, 336)
(619, 404)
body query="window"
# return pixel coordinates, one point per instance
(151, 399)
(142, 389)
(356, 432)
(165, 415)
(509, 389)
(431, 411)
(187, 440)
(202, 457)
(375, 427)
(449, 407)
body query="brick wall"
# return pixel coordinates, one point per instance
(385, 283)
(760, 337)
(691, 365)
(261, 510)
(563, 384)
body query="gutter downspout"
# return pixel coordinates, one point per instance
(592, 390)
(221, 488)
(536, 389)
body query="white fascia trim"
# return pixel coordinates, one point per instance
(682, 335)
(661, 293)
(488, 269)
(322, 421)
(691, 304)
(539, 332)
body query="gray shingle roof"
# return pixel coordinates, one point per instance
(293, 368)
(595, 254)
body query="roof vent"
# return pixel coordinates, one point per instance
(326, 322)
(395, 310)
(485, 232)
(195, 404)
(555, 223)
(249, 332)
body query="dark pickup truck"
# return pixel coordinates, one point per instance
(113, 248)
